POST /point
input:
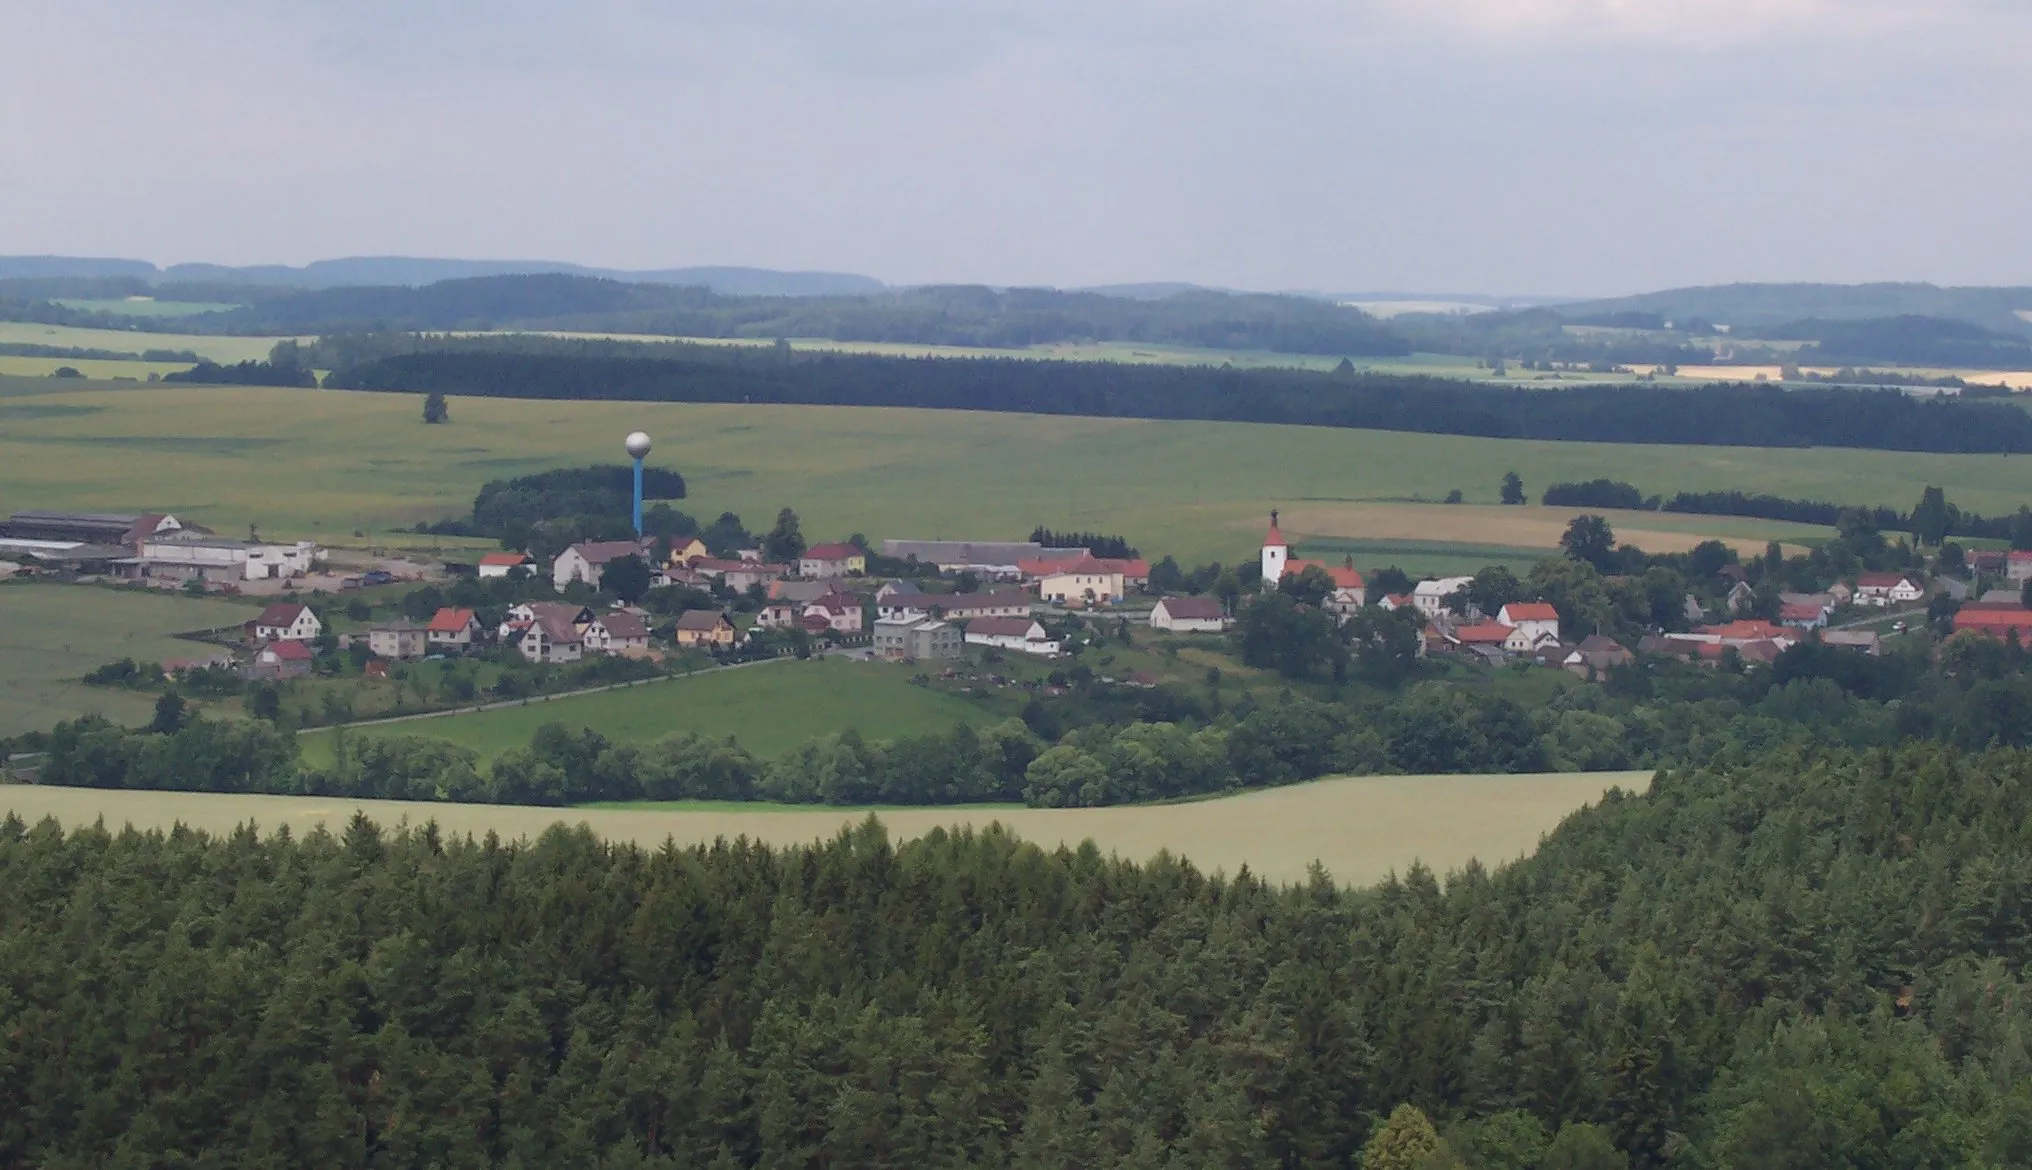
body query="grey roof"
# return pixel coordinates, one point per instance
(1193, 608)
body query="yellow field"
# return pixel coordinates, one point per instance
(42, 367)
(1536, 527)
(1361, 829)
(218, 349)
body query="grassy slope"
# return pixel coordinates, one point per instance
(325, 463)
(51, 635)
(770, 708)
(218, 349)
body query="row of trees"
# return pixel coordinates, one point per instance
(1811, 959)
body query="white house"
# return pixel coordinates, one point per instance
(1429, 597)
(1883, 589)
(500, 564)
(842, 612)
(287, 622)
(1537, 619)
(545, 639)
(1521, 640)
(587, 560)
(1189, 615)
(453, 628)
(618, 632)
(1023, 635)
(1083, 582)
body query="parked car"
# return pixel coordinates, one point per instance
(377, 577)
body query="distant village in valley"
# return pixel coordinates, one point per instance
(650, 598)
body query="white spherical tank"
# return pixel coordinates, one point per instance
(638, 445)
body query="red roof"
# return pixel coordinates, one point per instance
(1801, 613)
(1994, 621)
(832, 552)
(837, 603)
(505, 558)
(1746, 631)
(1881, 580)
(289, 651)
(1275, 537)
(1531, 611)
(1129, 568)
(1046, 566)
(2017, 554)
(451, 621)
(1483, 634)
(281, 614)
(1343, 577)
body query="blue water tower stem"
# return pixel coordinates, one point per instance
(638, 499)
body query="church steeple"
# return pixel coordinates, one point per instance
(1275, 552)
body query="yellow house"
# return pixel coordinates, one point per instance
(684, 549)
(704, 627)
(1084, 582)
(832, 560)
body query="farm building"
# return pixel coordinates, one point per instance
(1024, 635)
(1189, 615)
(286, 621)
(118, 529)
(916, 638)
(399, 639)
(705, 628)
(961, 607)
(501, 564)
(281, 659)
(1995, 622)
(832, 560)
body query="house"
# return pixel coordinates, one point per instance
(588, 560)
(1821, 600)
(1841, 593)
(282, 658)
(1393, 602)
(1524, 640)
(1866, 641)
(841, 611)
(1741, 597)
(1988, 562)
(832, 560)
(618, 632)
(1886, 589)
(564, 613)
(994, 603)
(1801, 616)
(1135, 571)
(1189, 615)
(1536, 617)
(1551, 655)
(1595, 655)
(1429, 597)
(399, 639)
(502, 564)
(1083, 582)
(705, 628)
(1024, 635)
(1492, 635)
(1995, 623)
(740, 575)
(778, 615)
(287, 622)
(1692, 610)
(544, 638)
(918, 638)
(453, 628)
(684, 550)
(2018, 564)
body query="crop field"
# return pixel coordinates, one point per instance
(326, 464)
(1361, 829)
(218, 349)
(770, 708)
(52, 635)
(1531, 527)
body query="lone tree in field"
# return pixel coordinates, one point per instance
(1513, 488)
(434, 410)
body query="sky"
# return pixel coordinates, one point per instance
(1566, 147)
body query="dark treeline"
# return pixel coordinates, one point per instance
(1745, 415)
(1811, 960)
(280, 371)
(1098, 543)
(1907, 340)
(944, 315)
(1595, 493)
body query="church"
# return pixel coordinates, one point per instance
(1349, 592)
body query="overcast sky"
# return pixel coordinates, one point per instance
(1505, 146)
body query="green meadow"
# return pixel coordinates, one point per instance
(328, 464)
(218, 349)
(51, 636)
(770, 708)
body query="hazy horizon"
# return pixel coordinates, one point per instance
(1502, 147)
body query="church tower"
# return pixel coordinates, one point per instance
(1275, 551)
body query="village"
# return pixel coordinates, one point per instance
(936, 601)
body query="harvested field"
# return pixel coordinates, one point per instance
(1532, 526)
(1360, 828)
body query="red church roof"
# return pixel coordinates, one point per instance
(1275, 537)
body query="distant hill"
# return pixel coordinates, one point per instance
(1756, 306)
(360, 271)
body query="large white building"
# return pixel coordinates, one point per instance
(218, 558)
(1429, 597)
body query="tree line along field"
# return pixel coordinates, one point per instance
(769, 707)
(329, 464)
(1361, 829)
(52, 635)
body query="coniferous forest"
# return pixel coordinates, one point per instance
(1816, 960)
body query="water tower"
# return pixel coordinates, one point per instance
(638, 450)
